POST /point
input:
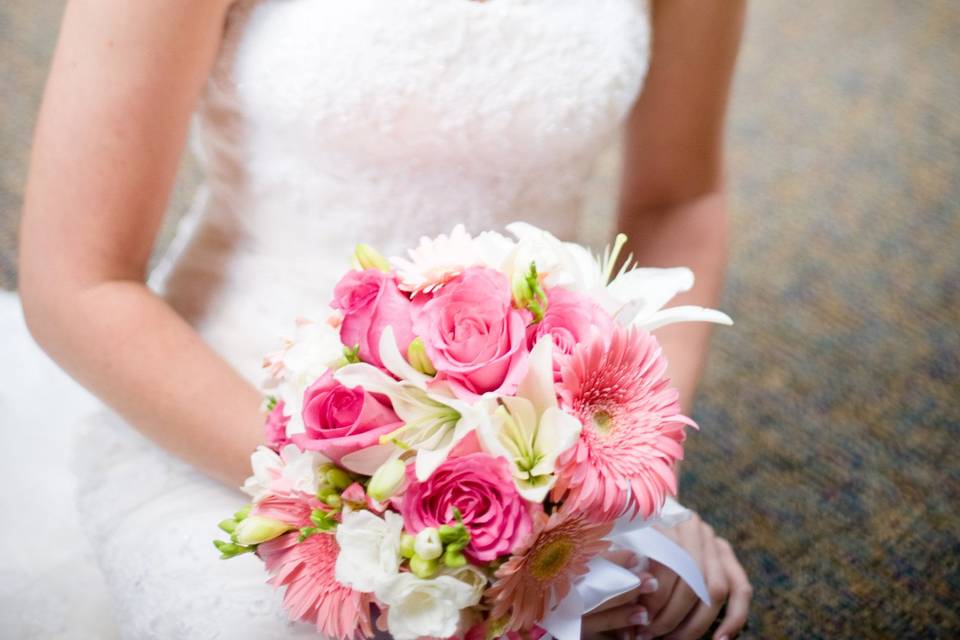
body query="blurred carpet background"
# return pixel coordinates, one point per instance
(831, 411)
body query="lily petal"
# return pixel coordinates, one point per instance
(686, 313)
(367, 461)
(642, 292)
(537, 385)
(394, 361)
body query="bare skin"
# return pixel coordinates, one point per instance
(673, 208)
(112, 127)
(124, 81)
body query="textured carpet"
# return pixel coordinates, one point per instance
(831, 411)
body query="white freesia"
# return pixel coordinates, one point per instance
(631, 295)
(530, 430)
(298, 470)
(427, 544)
(434, 422)
(315, 348)
(257, 529)
(369, 549)
(436, 260)
(419, 607)
(472, 576)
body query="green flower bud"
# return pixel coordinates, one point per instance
(334, 500)
(423, 568)
(229, 549)
(243, 513)
(351, 355)
(454, 558)
(228, 525)
(323, 520)
(417, 356)
(257, 529)
(325, 490)
(427, 544)
(339, 478)
(366, 257)
(521, 290)
(407, 543)
(528, 293)
(455, 536)
(387, 480)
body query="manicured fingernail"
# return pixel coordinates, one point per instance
(724, 637)
(640, 617)
(649, 585)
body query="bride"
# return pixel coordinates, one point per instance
(320, 123)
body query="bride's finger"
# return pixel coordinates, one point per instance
(703, 615)
(648, 584)
(625, 558)
(741, 593)
(613, 619)
(697, 540)
(662, 586)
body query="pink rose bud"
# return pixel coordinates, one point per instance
(339, 420)
(370, 301)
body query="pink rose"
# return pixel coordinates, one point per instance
(571, 319)
(481, 487)
(370, 301)
(339, 420)
(276, 427)
(473, 335)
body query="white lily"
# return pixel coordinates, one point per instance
(529, 429)
(433, 422)
(632, 296)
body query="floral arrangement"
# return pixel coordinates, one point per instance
(448, 453)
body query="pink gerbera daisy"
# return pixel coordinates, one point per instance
(632, 427)
(313, 594)
(540, 573)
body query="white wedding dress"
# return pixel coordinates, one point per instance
(324, 123)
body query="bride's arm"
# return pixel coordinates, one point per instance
(673, 200)
(673, 208)
(111, 130)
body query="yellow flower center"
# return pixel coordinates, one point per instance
(603, 421)
(551, 558)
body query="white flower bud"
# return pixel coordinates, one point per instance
(366, 257)
(418, 358)
(257, 529)
(427, 544)
(387, 480)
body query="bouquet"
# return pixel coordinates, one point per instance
(453, 449)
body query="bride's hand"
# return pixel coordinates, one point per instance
(664, 606)
(619, 616)
(675, 611)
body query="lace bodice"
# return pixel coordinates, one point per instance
(328, 123)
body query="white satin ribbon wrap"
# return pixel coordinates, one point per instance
(605, 580)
